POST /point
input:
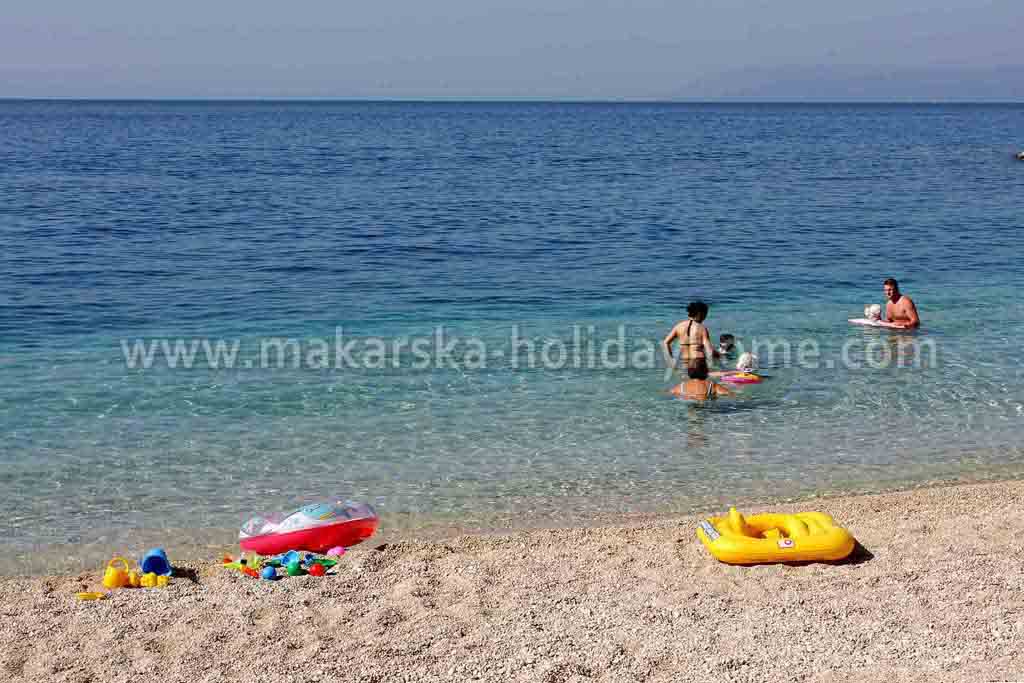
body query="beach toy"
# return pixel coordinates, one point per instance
(867, 322)
(317, 570)
(134, 579)
(336, 551)
(269, 573)
(294, 569)
(91, 596)
(745, 372)
(313, 528)
(153, 580)
(741, 378)
(249, 571)
(241, 564)
(155, 561)
(114, 577)
(285, 559)
(770, 537)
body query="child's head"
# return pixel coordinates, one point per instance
(873, 312)
(726, 343)
(747, 362)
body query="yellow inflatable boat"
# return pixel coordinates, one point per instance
(802, 537)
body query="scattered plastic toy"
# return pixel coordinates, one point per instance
(114, 577)
(91, 596)
(155, 561)
(336, 551)
(118, 577)
(153, 580)
(284, 559)
(293, 563)
(309, 561)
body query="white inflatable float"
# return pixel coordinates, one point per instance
(868, 322)
(873, 318)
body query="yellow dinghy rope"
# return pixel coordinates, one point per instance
(770, 537)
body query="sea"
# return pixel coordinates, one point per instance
(454, 312)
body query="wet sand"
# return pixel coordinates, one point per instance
(936, 592)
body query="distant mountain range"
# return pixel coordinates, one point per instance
(862, 84)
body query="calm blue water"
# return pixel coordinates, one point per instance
(245, 221)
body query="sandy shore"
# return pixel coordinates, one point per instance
(937, 593)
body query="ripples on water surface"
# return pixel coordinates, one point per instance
(244, 221)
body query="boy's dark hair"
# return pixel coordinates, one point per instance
(697, 309)
(697, 368)
(723, 338)
(891, 281)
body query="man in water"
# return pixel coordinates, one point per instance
(899, 308)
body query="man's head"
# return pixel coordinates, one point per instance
(726, 343)
(892, 289)
(698, 310)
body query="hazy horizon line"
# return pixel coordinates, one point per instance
(516, 100)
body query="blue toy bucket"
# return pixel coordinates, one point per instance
(156, 561)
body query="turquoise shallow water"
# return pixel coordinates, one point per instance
(244, 222)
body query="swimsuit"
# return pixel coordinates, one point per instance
(709, 395)
(699, 344)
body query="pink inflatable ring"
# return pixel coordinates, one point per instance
(315, 528)
(741, 378)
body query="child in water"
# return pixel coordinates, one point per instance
(747, 362)
(727, 344)
(699, 386)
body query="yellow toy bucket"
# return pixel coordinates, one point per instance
(114, 577)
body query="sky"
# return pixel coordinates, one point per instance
(565, 49)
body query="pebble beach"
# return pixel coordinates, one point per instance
(934, 591)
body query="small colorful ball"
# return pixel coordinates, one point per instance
(317, 570)
(269, 573)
